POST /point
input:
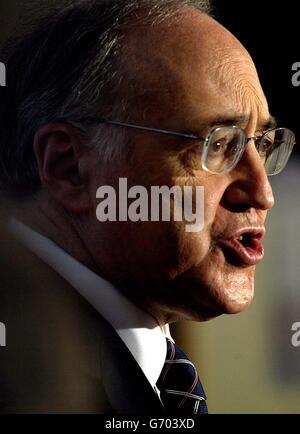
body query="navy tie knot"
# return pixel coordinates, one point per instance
(180, 388)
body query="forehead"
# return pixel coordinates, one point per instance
(181, 71)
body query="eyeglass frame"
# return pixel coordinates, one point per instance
(257, 139)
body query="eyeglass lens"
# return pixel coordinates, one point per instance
(225, 146)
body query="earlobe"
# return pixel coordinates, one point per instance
(59, 149)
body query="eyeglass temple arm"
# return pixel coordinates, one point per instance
(137, 127)
(152, 130)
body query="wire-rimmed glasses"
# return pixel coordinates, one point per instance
(224, 146)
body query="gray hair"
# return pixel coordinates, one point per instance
(66, 67)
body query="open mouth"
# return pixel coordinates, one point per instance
(245, 249)
(246, 240)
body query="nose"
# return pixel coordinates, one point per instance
(250, 186)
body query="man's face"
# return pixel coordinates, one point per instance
(189, 77)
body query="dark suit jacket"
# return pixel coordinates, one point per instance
(61, 355)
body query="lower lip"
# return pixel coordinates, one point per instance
(241, 255)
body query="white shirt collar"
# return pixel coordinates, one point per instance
(139, 331)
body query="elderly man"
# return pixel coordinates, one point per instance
(156, 93)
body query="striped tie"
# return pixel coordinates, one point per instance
(180, 389)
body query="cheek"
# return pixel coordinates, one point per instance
(195, 247)
(192, 249)
(176, 249)
(213, 193)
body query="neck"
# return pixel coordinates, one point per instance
(43, 216)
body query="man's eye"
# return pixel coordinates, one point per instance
(266, 147)
(219, 146)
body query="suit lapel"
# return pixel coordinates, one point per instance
(126, 386)
(77, 359)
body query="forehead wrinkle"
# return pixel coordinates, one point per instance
(160, 71)
(236, 74)
(185, 56)
(153, 79)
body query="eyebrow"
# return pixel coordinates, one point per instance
(238, 121)
(269, 123)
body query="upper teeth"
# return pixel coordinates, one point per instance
(241, 238)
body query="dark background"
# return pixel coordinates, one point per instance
(270, 32)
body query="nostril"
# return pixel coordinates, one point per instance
(239, 207)
(235, 207)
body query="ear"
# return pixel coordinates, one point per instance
(61, 158)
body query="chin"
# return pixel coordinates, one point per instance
(236, 299)
(233, 289)
(235, 307)
(208, 291)
(230, 295)
(231, 304)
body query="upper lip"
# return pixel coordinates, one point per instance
(254, 232)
